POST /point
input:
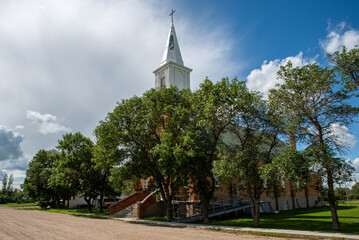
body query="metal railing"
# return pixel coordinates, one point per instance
(186, 206)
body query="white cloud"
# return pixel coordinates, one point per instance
(356, 165)
(341, 136)
(338, 37)
(10, 144)
(11, 153)
(265, 78)
(47, 123)
(15, 164)
(19, 127)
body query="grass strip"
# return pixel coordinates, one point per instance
(19, 204)
(267, 234)
(76, 212)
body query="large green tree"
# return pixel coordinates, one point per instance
(38, 175)
(252, 142)
(143, 132)
(104, 161)
(312, 94)
(76, 168)
(216, 106)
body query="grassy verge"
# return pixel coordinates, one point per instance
(77, 212)
(278, 235)
(311, 219)
(19, 204)
(161, 219)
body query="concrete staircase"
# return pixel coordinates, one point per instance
(128, 212)
(133, 206)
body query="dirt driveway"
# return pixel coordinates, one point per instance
(26, 224)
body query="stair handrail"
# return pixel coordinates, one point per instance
(144, 204)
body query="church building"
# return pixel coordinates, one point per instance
(173, 72)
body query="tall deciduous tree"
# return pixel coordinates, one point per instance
(104, 161)
(293, 129)
(311, 93)
(216, 106)
(253, 143)
(76, 166)
(38, 175)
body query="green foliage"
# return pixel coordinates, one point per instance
(341, 193)
(55, 176)
(291, 165)
(346, 63)
(38, 175)
(76, 169)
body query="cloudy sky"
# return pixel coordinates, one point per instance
(64, 64)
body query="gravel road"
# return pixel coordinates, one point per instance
(26, 224)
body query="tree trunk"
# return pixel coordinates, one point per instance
(168, 210)
(68, 203)
(276, 204)
(331, 199)
(89, 205)
(306, 192)
(292, 141)
(275, 193)
(101, 201)
(256, 213)
(205, 212)
(292, 195)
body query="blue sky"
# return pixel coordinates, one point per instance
(64, 64)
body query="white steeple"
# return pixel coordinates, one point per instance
(172, 71)
(172, 51)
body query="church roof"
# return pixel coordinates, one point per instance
(172, 51)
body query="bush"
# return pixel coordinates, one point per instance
(4, 199)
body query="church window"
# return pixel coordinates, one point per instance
(163, 84)
(171, 44)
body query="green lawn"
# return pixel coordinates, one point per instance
(19, 204)
(311, 219)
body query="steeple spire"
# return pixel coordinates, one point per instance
(172, 71)
(172, 51)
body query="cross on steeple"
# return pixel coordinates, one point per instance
(171, 14)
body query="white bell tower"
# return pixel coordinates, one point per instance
(172, 71)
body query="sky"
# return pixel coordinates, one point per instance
(64, 64)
